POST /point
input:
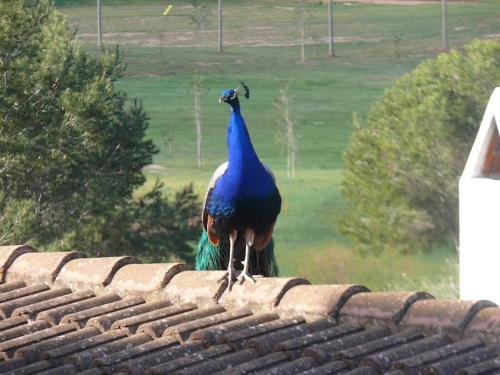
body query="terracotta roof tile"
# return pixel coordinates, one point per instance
(90, 357)
(365, 370)
(184, 330)
(317, 301)
(145, 280)
(6, 308)
(379, 307)
(384, 343)
(486, 323)
(55, 315)
(384, 360)
(106, 321)
(60, 354)
(33, 309)
(487, 367)
(328, 368)
(22, 330)
(7, 348)
(80, 319)
(8, 254)
(61, 370)
(184, 361)
(7, 287)
(157, 327)
(203, 288)
(154, 347)
(261, 363)
(166, 319)
(266, 343)
(419, 361)
(451, 316)
(22, 292)
(240, 338)
(325, 352)
(34, 352)
(91, 273)
(262, 295)
(131, 324)
(329, 334)
(48, 265)
(292, 367)
(12, 364)
(139, 362)
(217, 334)
(452, 365)
(14, 321)
(34, 368)
(214, 365)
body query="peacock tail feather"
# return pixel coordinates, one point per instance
(210, 257)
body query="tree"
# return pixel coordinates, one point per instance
(151, 226)
(69, 146)
(202, 16)
(286, 132)
(402, 168)
(197, 90)
(301, 24)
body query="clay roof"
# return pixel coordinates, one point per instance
(62, 313)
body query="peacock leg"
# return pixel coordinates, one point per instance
(230, 273)
(249, 238)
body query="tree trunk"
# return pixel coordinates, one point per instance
(197, 119)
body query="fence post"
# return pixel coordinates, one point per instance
(99, 23)
(330, 29)
(444, 22)
(220, 26)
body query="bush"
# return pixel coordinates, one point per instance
(402, 168)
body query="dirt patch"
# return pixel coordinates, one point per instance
(155, 168)
(392, 2)
(208, 39)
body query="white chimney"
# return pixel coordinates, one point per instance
(480, 211)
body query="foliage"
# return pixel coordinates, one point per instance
(151, 227)
(16, 220)
(70, 152)
(202, 17)
(402, 169)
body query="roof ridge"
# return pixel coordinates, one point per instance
(286, 296)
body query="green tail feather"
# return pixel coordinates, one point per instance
(211, 257)
(208, 256)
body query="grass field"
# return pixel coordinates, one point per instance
(376, 44)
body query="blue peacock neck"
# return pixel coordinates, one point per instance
(245, 175)
(241, 154)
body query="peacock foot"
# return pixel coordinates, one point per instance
(244, 275)
(230, 276)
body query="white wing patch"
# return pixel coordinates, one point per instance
(218, 172)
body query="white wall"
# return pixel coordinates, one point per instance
(480, 217)
(480, 239)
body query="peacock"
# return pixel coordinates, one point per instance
(241, 207)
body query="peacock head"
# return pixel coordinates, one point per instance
(231, 96)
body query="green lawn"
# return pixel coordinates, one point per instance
(377, 44)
